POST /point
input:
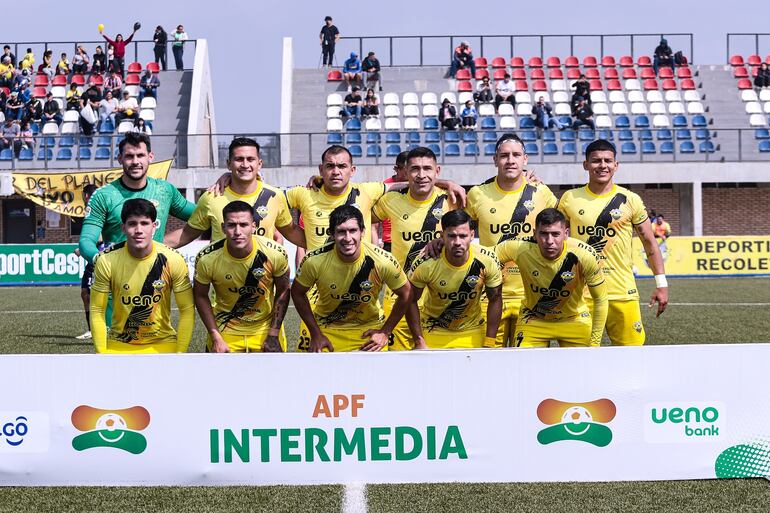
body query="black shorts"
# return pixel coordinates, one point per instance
(88, 277)
(386, 246)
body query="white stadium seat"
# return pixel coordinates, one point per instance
(691, 96)
(562, 109)
(537, 94)
(392, 111)
(147, 114)
(617, 97)
(72, 128)
(58, 92)
(673, 96)
(392, 124)
(523, 109)
(430, 110)
(635, 96)
(600, 108)
(448, 95)
(333, 112)
(148, 102)
(654, 96)
(506, 109)
(603, 122)
(411, 111)
(464, 97)
(332, 99)
(71, 116)
(429, 99)
(562, 97)
(638, 108)
(619, 108)
(411, 124)
(390, 99)
(127, 126)
(373, 124)
(558, 85)
(757, 120)
(2, 117)
(410, 99)
(632, 84)
(485, 109)
(50, 128)
(598, 97)
(676, 108)
(660, 121)
(507, 122)
(334, 125)
(753, 108)
(766, 107)
(657, 108)
(764, 95)
(522, 97)
(695, 108)
(133, 90)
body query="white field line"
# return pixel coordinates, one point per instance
(354, 500)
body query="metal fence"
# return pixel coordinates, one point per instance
(743, 43)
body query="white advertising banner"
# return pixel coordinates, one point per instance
(627, 413)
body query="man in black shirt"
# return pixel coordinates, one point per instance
(371, 67)
(329, 37)
(51, 111)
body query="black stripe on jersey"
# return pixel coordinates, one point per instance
(211, 248)
(489, 180)
(261, 201)
(341, 311)
(114, 247)
(140, 313)
(428, 225)
(248, 296)
(520, 213)
(548, 302)
(603, 221)
(456, 308)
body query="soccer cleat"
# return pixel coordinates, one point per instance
(84, 336)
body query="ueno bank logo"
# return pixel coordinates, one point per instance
(675, 422)
(24, 432)
(582, 422)
(110, 428)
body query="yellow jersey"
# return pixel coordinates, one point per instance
(270, 210)
(606, 223)
(452, 300)
(244, 286)
(413, 223)
(315, 207)
(553, 288)
(348, 292)
(141, 291)
(506, 215)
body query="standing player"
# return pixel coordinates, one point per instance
(505, 208)
(141, 275)
(555, 269)
(250, 275)
(399, 176)
(605, 216)
(349, 275)
(88, 273)
(451, 313)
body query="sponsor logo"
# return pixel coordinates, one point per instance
(262, 211)
(24, 432)
(674, 422)
(118, 429)
(405, 217)
(141, 300)
(40, 262)
(126, 286)
(425, 236)
(492, 210)
(599, 231)
(515, 229)
(581, 212)
(580, 422)
(549, 292)
(333, 286)
(535, 273)
(318, 213)
(442, 283)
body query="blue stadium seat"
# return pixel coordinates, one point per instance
(761, 133)
(764, 146)
(435, 148)
(107, 127)
(567, 135)
(393, 150)
(452, 150)
(584, 147)
(353, 124)
(490, 137)
(683, 134)
(84, 153)
(707, 147)
(528, 136)
(430, 124)
(488, 124)
(64, 154)
(413, 137)
(687, 147)
(664, 134)
(642, 121)
(586, 134)
(433, 137)
(699, 121)
(531, 149)
(568, 148)
(410, 147)
(374, 150)
(625, 135)
(373, 138)
(667, 147)
(49, 142)
(526, 122)
(353, 138)
(470, 136)
(393, 138)
(104, 141)
(622, 122)
(605, 134)
(489, 149)
(26, 154)
(86, 140)
(628, 148)
(102, 154)
(549, 136)
(66, 141)
(648, 147)
(45, 154)
(679, 121)
(702, 133)
(451, 136)
(35, 127)
(550, 148)
(331, 138)
(471, 150)
(645, 135)
(565, 120)
(355, 150)
(6, 154)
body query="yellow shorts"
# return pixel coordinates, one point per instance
(342, 339)
(507, 322)
(401, 339)
(248, 343)
(117, 347)
(449, 339)
(624, 322)
(575, 332)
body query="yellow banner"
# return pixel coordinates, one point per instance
(710, 256)
(63, 192)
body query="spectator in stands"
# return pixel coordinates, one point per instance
(119, 47)
(46, 67)
(352, 104)
(177, 47)
(73, 97)
(63, 67)
(329, 36)
(99, 62)
(469, 116)
(652, 215)
(763, 77)
(160, 40)
(371, 104)
(149, 85)
(662, 231)
(28, 62)
(483, 92)
(582, 90)
(7, 53)
(110, 59)
(80, 61)
(447, 115)
(664, 56)
(108, 107)
(14, 107)
(141, 126)
(51, 110)
(114, 83)
(89, 116)
(584, 115)
(9, 136)
(33, 110)
(128, 108)
(26, 136)
(7, 73)
(544, 117)
(21, 80)
(462, 58)
(3, 100)
(93, 94)
(504, 91)
(25, 93)
(371, 66)
(351, 71)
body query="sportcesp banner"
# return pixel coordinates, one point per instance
(40, 264)
(625, 413)
(710, 256)
(63, 192)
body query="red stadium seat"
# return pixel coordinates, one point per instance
(537, 74)
(614, 85)
(755, 60)
(535, 62)
(626, 61)
(767, 59)
(573, 73)
(740, 72)
(464, 86)
(499, 74)
(555, 74)
(589, 61)
(644, 61)
(153, 67)
(608, 61)
(96, 80)
(481, 62)
(499, 63)
(463, 74)
(736, 60)
(650, 84)
(39, 92)
(754, 71)
(135, 67)
(59, 80)
(521, 85)
(132, 79)
(539, 85)
(669, 84)
(519, 74)
(688, 84)
(334, 75)
(41, 80)
(629, 73)
(683, 73)
(78, 79)
(610, 74)
(666, 73)
(481, 73)
(592, 73)
(517, 62)
(571, 62)
(743, 83)
(553, 62)
(596, 85)
(647, 73)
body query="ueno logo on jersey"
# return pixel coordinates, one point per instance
(599, 231)
(512, 228)
(425, 236)
(549, 292)
(141, 300)
(247, 290)
(581, 422)
(458, 296)
(352, 296)
(673, 422)
(118, 429)
(24, 432)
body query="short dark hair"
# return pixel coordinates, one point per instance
(134, 139)
(89, 189)
(420, 152)
(455, 218)
(328, 18)
(549, 216)
(660, 216)
(336, 149)
(237, 206)
(401, 159)
(345, 213)
(507, 75)
(508, 137)
(241, 141)
(138, 207)
(600, 145)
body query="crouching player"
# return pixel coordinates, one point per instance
(250, 276)
(141, 275)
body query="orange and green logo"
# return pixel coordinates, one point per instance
(110, 428)
(583, 422)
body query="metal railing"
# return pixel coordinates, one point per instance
(417, 46)
(732, 39)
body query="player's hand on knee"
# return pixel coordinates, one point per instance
(419, 343)
(377, 340)
(219, 345)
(317, 345)
(272, 345)
(433, 249)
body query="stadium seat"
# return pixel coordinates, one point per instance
(537, 74)
(644, 135)
(625, 135)
(471, 150)
(555, 74)
(688, 84)
(644, 61)
(628, 148)
(331, 138)
(40, 81)
(761, 133)
(484, 110)
(499, 74)
(706, 147)
(489, 136)
(641, 122)
(673, 96)
(539, 85)
(702, 133)
(410, 99)
(106, 127)
(740, 72)
(489, 149)
(592, 74)
(632, 84)
(373, 124)
(470, 136)
(430, 124)
(619, 109)
(611, 74)
(464, 97)
(73, 128)
(499, 63)
(96, 80)
(568, 148)
(481, 62)
(153, 67)
(452, 150)
(668, 84)
(45, 154)
(638, 108)
(71, 116)
(528, 136)
(6, 154)
(332, 125)
(84, 154)
(650, 84)
(614, 85)
(435, 148)
(754, 60)
(392, 150)
(596, 85)
(389, 99)
(427, 99)
(411, 124)
(683, 73)
(433, 137)
(598, 96)
(490, 124)
(523, 109)
(50, 128)
(567, 135)
(683, 134)
(736, 60)
(353, 124)
(686, 147)
(603, 122)
(531, 149)
(661, 120)
(135, 67)
(147, 114)
(622, 122)
(657, 108)
(526, 122)
(626, 61)
(664, 134)
(585, 134)
(334, 99)
(749, 95)
(355, 150)
(629, 73)
(78, 80)
(411, 111)
(374, 150)
(764, 146)
(393, 138)
(560, 96)
(104, 141)
(66, 141)
(464, 85)
(517, 62)
(550, 148)
(133, 90)
(635, 96)
(667, 147)
(334, 75)
(448, 95)
(463, 74)
(132, 79)
(148, 102)
(699, 121)
(507, 122)
(451, 136)
(64, 154)
(353, 138)
(506, 109)
(521, 97)
(562, 109)
(608, 61)
(648, 147)
(573, 73)
(26, 154)
(431, 111)
(535, 62)
(39, 92)
(481, 74)
(589, 61)
(549, 135)
(601, 108)
(333, 112)
(665, 73)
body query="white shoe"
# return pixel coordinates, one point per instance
(84, 336)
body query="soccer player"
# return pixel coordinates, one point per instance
(450, 316)
(270, 208)
(250, 275)
(415, 215)
(505, 208)
(88, 273)
(555, 269)
(605, 216)
(399, 176)
(349, 275)
(141, 275)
